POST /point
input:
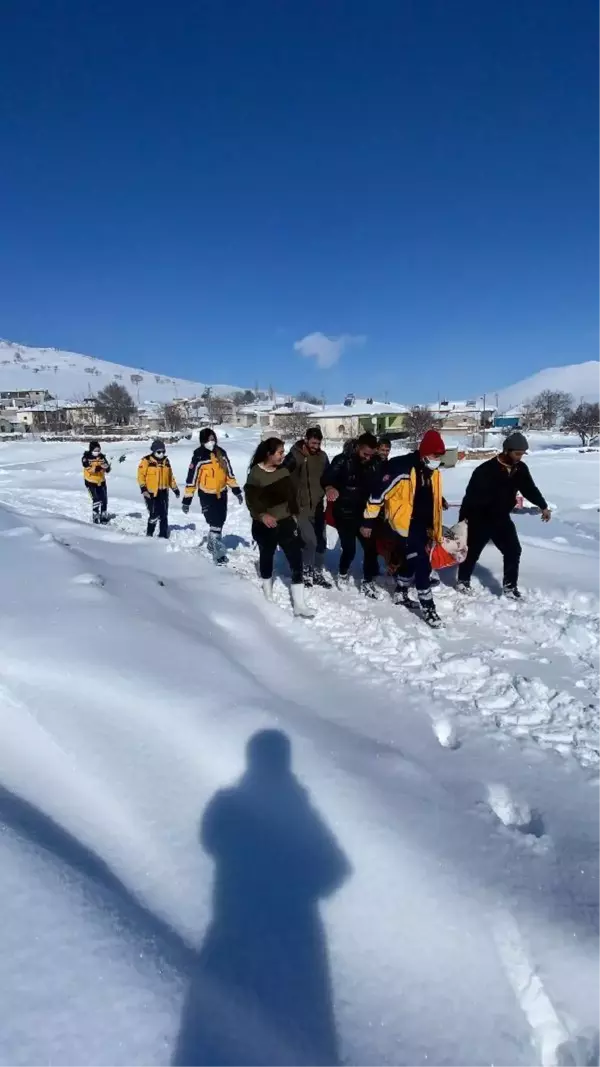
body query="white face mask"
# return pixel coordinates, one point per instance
(96, 453)
(432, 462)
(210, 445)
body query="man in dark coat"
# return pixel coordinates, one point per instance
(307, 462)
(348, 482)
(490, 497)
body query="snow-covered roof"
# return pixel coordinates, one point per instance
(299, 407)
(458, 407)
(360, 408)
(258, 407)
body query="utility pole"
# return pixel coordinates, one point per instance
(483, 421)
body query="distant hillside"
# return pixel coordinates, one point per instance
(580, 379)
(69, 375)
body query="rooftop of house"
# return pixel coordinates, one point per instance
(360, 408)
(459, 407)
(298, 407)
(258, 407)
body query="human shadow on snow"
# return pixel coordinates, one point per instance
(233, 541)
(488, 580)
(261, 991)
(259, 988)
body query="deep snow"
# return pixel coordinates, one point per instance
(420, 888)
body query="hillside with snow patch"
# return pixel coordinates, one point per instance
(580, 379)
(71, 376)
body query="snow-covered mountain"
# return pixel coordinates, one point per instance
(580, 379)
(70, 375)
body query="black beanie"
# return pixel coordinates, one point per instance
(515, 442)
(158, 445)
(93, 445)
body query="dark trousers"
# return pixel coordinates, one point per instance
(214, 509)
(99, 500)
(286, 536)
(312, 533)
(158, 512)
(416, 566)
(348, 528)
(503, 534)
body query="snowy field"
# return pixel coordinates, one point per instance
(420, 887)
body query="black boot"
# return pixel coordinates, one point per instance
(512, 591)
(430, 614)
(318, 578)
(403, 598)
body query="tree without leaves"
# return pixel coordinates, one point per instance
(552, 405)
(219, 408)
(115, 405)
(416, 423)
(308, 398)
(246, 397)
(530, 415)
(292, 426)
(583, 420)
(173, 416)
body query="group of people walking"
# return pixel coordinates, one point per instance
(366, 495)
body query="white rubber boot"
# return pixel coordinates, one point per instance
(300, 608)
(267, 588)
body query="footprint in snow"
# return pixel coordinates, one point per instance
(515, 814)
(89, 579)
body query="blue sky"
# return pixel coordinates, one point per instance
(196, 187)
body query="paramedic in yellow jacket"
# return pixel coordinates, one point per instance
(210, 473)
(155, 478)
(95, 468)
(410, 491)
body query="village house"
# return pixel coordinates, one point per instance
(22, 398)
(342, 421)
(465, 415)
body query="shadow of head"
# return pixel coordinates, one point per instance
(269, 755)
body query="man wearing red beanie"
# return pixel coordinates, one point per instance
(410, 491)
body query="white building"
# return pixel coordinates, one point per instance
(341, 421)
(462, 414)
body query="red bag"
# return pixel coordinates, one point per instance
(329, 519)
(439, 558)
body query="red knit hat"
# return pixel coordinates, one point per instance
(432, 445)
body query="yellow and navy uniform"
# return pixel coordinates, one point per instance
(95, 468)
(209, 472)
(155, 474)
(400, 480)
